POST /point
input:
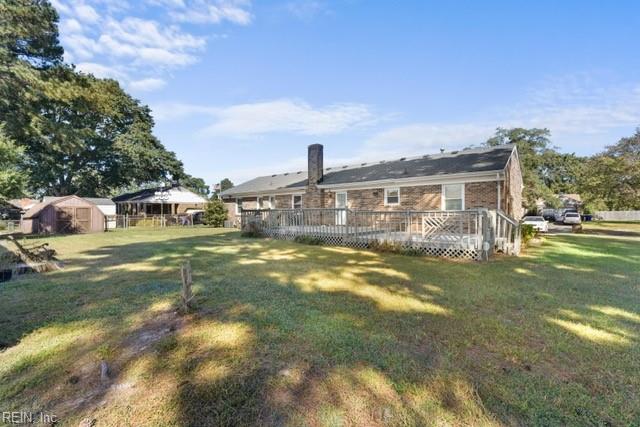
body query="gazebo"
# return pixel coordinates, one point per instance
(159, 200)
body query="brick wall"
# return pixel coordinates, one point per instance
(481, 195)
(425, 197)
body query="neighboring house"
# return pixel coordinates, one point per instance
(14, 208)
(176, 200)
(570, 201)
(69, 214)
(477, 178)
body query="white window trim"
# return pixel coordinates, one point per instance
(259, 202)
(293, 205)
(346, 199)
(443, 201)
(386, 193)
(272, 200)
(238, 205)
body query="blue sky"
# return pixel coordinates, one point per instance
(239, 88)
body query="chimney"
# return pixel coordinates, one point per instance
(315, 164)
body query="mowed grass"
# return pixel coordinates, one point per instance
(631, 228)
(289, 334)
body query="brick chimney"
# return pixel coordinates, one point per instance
(315, 165)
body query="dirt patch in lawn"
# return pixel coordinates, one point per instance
(95, 380)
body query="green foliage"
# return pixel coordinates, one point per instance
(612, 179)
(225, 184)
(80, 134)
(12, 176)
(532, 145)
(215, 213)
(528, 232)
(197, 185)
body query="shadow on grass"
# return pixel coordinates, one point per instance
(292, 334)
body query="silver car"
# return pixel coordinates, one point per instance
(572, 218)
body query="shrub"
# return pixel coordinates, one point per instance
(528, 233)
(215, 213)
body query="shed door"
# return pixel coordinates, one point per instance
(83, 220)
(64, 220)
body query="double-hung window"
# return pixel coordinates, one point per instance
(238, 206)
(296, 201)
(453, 197)
(391, 196)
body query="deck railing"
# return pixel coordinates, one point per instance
(471, 233)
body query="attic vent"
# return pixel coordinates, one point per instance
(298, 173)
(345, 166)
(328, 169)
(287, 173)
(362, 164)
(273, 175)
(403, 158)
(455, 152)
(426, 156)
(382, 161)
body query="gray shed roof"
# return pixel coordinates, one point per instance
(455, 162)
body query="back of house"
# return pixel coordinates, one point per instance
(475, 178)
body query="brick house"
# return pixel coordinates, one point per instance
(459, 180)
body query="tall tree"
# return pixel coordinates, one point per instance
(197, 185)
(612, 178)
(532, 145)
(12, 177)
(80, 134)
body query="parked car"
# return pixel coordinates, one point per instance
(549, 214)
(572, 218)
(538, 223)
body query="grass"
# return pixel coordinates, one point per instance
(290, 334)
(631, 228)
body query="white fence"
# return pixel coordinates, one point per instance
(473, 234)
(617, 215)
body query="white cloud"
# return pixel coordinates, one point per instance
(70, 26)
(95, 32)
(146, 85)
(277, 116)
(209, 11)
(307, 9)
(101, 71)
(571, 107)
(86, 13)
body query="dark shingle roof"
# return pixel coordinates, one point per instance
(455, 162)
(466, 161)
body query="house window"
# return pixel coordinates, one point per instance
(264, 202)
(296, 201)
(453, 197)
(238, 206)
(391, 196)
(272, 202)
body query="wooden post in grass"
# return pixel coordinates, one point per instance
(187, 293)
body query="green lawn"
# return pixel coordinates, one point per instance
(288, 334)
(622, 228)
